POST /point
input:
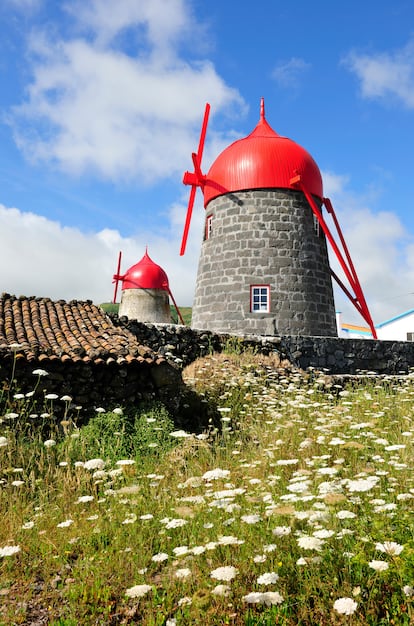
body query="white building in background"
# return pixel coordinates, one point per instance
(398, 328)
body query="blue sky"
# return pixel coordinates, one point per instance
(101, 104)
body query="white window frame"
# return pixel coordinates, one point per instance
(260, 298)
(209, 226)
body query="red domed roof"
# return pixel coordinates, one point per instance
(262, 160)
(145, 275)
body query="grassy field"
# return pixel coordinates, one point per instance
(299, 511)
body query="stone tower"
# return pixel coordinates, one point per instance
(263, 267)
(145, 292)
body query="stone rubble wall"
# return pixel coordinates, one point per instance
(170, 348)
(183, 345)
(91, 385)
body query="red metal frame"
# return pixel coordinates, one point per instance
(344, 258)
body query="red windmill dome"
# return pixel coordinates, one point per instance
(262, 160)
(145, 291)
(145, 275)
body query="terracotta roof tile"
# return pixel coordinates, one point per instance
(78, 330)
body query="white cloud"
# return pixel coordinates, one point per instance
(48, 260)
(382, 252)
(385, 74)
(160, 22)
(91, 107)
(288, 73)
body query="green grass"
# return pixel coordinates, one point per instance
(306, 484)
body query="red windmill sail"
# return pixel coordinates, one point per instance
(195, 179)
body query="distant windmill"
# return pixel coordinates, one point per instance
(145, 292)
(264, 265)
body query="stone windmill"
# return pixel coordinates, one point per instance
(263, 266)
(145, 292)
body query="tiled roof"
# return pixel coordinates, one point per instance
(40, 328)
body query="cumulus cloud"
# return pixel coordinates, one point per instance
(288, 73)
(382, 252)
(385, 75)
(94, 106)
(160, 22)
(47, 259)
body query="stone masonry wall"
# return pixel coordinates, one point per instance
(183, 345)
(264, 237)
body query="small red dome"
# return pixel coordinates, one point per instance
(262, 160)
(145, 275)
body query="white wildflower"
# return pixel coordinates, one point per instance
(344, 514)
(65, 524)
(94, 464)
(40, 372)
(268, 598)
(362, 484)
(138, 591)
(221, 590)
(9, 550)
(27, 525)
(345, 606)
(251, 519)
(390, 547)
(158, 558)
(281, 531)
(215, 474)
(310, 543)
(182, 573)
(225, 573)
(176, 523)
(378, 566)
(270, 578)
(179, 434)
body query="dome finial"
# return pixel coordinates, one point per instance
(262, 109)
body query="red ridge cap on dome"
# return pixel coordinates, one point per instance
(263, 128)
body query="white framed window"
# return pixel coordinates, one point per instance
(410, 336)
(209, 226)
(260, 298)
(316, 226)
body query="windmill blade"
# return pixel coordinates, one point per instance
(203, 133)
(117, 277)
(188, 219)
(195, 179)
